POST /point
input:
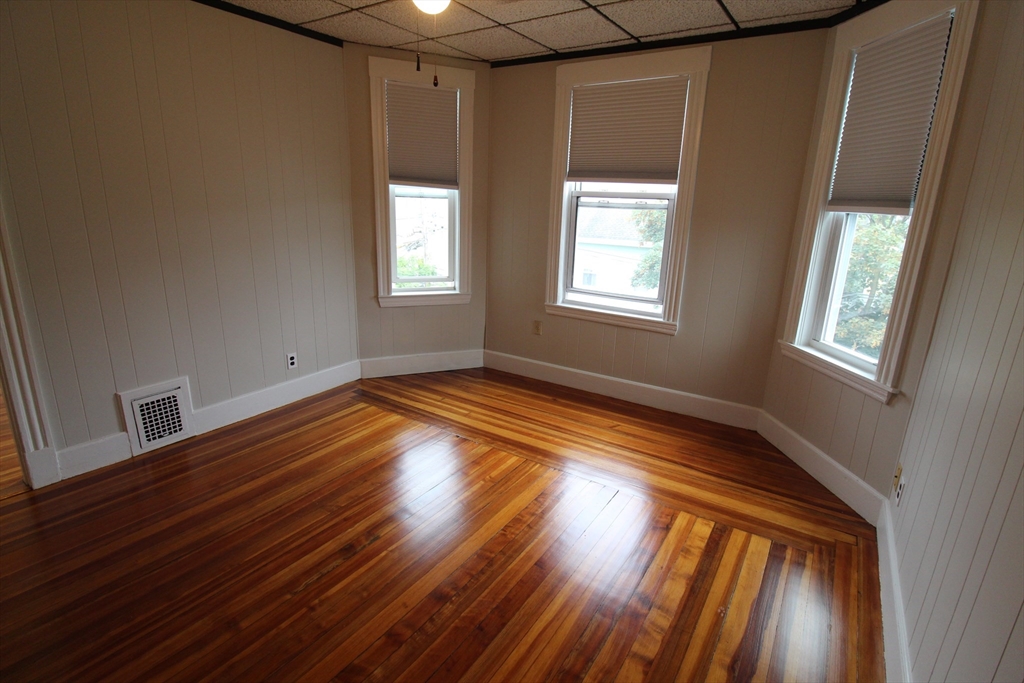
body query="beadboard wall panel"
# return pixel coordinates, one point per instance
(176, 185)
(760, 105)
(956, 426)
(960, 528)
(411, 330)
(880, 429)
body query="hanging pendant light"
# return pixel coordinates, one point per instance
(432, 6)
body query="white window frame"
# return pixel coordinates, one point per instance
(576, 192)
(460, 204)
(816, 258)
(692, 63)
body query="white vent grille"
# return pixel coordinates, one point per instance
(158, 415)
(157, 418)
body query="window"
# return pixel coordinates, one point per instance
(615, 246)
(422, 142)
(895, 76)
(626, 132)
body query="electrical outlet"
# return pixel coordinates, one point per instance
(538, 327)
(899, 492)
(896, 476)
(293, 360)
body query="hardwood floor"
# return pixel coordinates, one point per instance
(11, 480)
(470, 525)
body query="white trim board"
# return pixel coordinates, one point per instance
(867, 502)
(422, 362)
(725, 412)
(48, 467)
(92, 455)
(850, 488)
(240, 408)
(894, 620)
(872, 506)
(43, 468)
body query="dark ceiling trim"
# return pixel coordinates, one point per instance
(771, 29)
(278, 23)
(732, 34)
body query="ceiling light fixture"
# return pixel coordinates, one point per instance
(432, 6)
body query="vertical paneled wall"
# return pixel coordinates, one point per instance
(960, 527)
(175, 184)
(760, 104)
(858, 432)
(415, 329)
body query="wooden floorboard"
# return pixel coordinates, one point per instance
(11, 480)
(470, 525)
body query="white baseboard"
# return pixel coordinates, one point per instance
(422, 362)
(43, 468)
(894, 620)
(47, 466)
(872, 506)
(725, 412)
(851, 489)
(92, 455)
(43, 465)
(240, 408)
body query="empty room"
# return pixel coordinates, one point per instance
(512, 340)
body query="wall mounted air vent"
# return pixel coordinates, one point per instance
(157, 415)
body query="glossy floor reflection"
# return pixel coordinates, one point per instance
(457, 526)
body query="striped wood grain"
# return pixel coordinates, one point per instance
(11, 479)
(518, 531)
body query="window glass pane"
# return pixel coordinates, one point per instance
(869, 282)
(618, 246)
(422, 235)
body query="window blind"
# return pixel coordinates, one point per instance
(888, 119)
(631, 130)
(422, 135)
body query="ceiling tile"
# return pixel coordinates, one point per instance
(494, 43)
(508, 11)
(295, 11)
(356, 4)
(649, 17)
(432, 47)
(455, 19)
(704, 30)
(569, 30)
(595, 46)
(788, 18)
(357, 27)
(754, 10)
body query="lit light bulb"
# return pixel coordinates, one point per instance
(432, 6)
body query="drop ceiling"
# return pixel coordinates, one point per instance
(535, 30)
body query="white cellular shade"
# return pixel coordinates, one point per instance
(888, 118)
(423, 135)
(631, 130)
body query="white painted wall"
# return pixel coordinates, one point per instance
(956, 426)
(960, 528)
(175, 183)
(861, 433)
(760, 105)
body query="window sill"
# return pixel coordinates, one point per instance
(435, 299)
(848, 375)
(610, 318)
